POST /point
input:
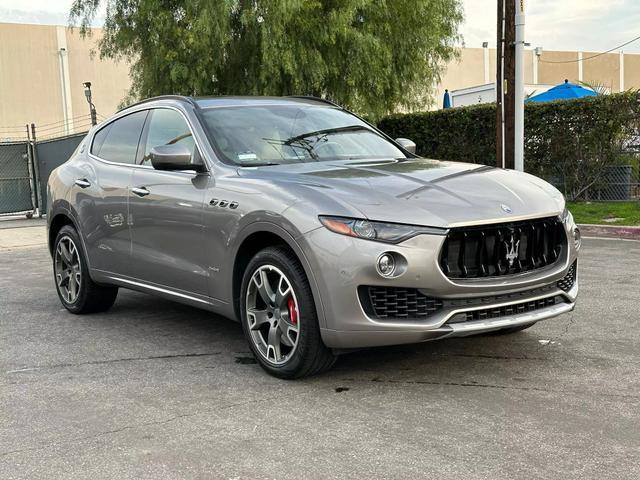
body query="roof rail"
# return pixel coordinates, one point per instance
(318, 99)
(163, 97)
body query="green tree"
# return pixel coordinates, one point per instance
(373, 56)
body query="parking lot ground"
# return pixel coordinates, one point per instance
(152, 389)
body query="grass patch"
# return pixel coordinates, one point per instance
(606, 213)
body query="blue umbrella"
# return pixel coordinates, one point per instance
(564, 91)
(447, 99)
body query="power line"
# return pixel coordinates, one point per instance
(63, 121)
(592, 56)
(49, 126)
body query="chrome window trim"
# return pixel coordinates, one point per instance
(147, 167)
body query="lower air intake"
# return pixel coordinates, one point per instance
(397, 303)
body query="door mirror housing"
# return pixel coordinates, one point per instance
(175, 157)
(407, 144)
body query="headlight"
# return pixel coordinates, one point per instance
(572, 228)
(378, 231)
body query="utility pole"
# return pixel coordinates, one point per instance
(92, 107)
(505, 84)
(519, 87)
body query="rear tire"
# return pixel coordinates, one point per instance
(77, 292)
(278, 316)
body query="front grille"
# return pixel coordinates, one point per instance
(397, 303)
(502, 249)
(392, 303)
(569, 279)
(507, 310)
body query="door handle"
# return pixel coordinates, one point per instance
(83, 183)
(140, 191)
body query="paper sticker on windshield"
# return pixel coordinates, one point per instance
(247, 157)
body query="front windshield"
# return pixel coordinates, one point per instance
(285, 134)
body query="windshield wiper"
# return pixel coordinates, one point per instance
(327, 131)
(261, 164)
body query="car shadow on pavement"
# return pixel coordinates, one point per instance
(177, 327)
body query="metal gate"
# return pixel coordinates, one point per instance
(16, 185)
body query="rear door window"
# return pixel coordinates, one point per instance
(118, 141)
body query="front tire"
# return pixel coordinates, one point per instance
(278, 316)
(77, 292)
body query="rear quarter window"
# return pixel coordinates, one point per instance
(118, 141)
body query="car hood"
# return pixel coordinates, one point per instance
(421, 191)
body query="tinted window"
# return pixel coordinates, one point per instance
(292, 134)
(121, 140)
(166, 127)
(98, 140)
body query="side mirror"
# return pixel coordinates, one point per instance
(407, 144)
(174, 157)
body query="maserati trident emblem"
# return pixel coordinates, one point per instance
(505, 208)
(512, 248)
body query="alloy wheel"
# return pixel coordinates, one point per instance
(272, 314)
(67, 269)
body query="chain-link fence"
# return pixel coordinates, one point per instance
(25, 166)
(16, 178)
(619, 183)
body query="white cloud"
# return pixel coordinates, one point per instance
(588, 25)
(52, 6)
(54, 12)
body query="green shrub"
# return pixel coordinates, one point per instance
(570, 143)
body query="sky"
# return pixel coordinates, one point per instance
(586, 25)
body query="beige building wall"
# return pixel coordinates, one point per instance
(602, 70)
(616, 71)
(631, 71)
(467, 71)
(109, 80)
(41, 83)
(554, 73)
(29, 77)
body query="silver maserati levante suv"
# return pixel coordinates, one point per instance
(316, 231)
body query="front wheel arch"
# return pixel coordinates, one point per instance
(259, 237)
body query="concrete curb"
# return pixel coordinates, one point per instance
(610, 231)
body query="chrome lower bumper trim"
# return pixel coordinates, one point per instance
(473, 327)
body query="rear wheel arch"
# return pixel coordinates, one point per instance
(57, 222)
(259, 239)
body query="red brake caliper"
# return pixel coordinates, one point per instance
(293, 311)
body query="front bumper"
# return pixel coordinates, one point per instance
(342, 265)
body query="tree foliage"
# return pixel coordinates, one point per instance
(373, 56)
(571, 143)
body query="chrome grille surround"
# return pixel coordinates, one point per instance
(502, 249)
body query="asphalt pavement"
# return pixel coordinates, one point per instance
(154, 390)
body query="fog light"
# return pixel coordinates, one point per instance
(386, 265)
(577, 237)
